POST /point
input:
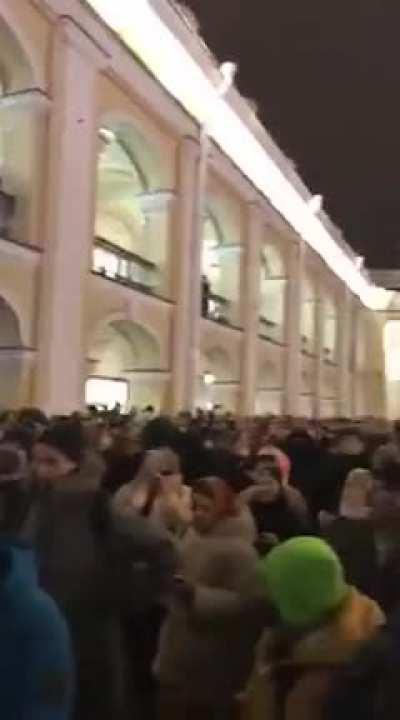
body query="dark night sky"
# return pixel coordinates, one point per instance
(326, 76)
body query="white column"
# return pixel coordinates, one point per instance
(70, 220)
(319, 348)
(344, 353)
(184, 311)
(355, 339)
(251, 310)
(293, 328)
(195, 261)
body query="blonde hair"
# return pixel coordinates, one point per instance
(355, 500)
(360, 477)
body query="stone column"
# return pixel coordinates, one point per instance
(250, 310)
(71, 180)
(319, 348)
(183, 276)
(344, 353)
(355, 369)
(293, 328)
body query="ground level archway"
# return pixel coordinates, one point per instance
(124, 367)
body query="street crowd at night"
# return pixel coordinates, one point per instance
(202, 566)
(199, 360)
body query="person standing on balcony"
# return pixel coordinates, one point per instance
(205, 295)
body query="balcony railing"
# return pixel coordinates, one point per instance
(308, 345)
(7, 210)
(329, 355)
(270, 330)
(217, 308)
(126, 267)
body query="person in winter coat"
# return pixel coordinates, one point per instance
(351, 533)
(270, 504)
(368, 689)
(347, 453)
(13, 481)
(386, 525)
(323, 623)
(305, 458)
(389, 452)
(148, 515)
(157, 491)
(64, 521)
(36, 667)
(208, 639)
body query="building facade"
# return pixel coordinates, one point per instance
(141, 262)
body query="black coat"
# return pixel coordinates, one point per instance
(334, 469)
(354, 542)
(277, 518)
(66, 529)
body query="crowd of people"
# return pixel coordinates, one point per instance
(202, 567)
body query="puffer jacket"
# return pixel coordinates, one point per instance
(206, 648)
(293, 676)
(36, 664)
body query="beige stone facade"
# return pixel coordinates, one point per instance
(137, 262)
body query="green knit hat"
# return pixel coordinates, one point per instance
(305, 581)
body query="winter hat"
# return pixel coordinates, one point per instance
(67, 437)
(304, 579)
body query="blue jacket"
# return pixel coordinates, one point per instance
(35, 655)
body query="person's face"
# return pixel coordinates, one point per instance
(355, 494)
(268, 484)
(50, 465)
(204, 513)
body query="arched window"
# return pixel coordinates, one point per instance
(273, 285)
(20, 167)
(132, 218)
(221, 264)
(121, 181)
(330, 330)
(124, 367)
(308, 314)
(212, 243)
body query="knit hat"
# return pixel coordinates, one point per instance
(67, 437)
(304, 579)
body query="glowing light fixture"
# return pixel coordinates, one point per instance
(107, 392)
(208, 379)
(143, 26)
(228, 71)
(108, 136)
(315, 204)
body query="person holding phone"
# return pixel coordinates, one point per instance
(207, 641)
